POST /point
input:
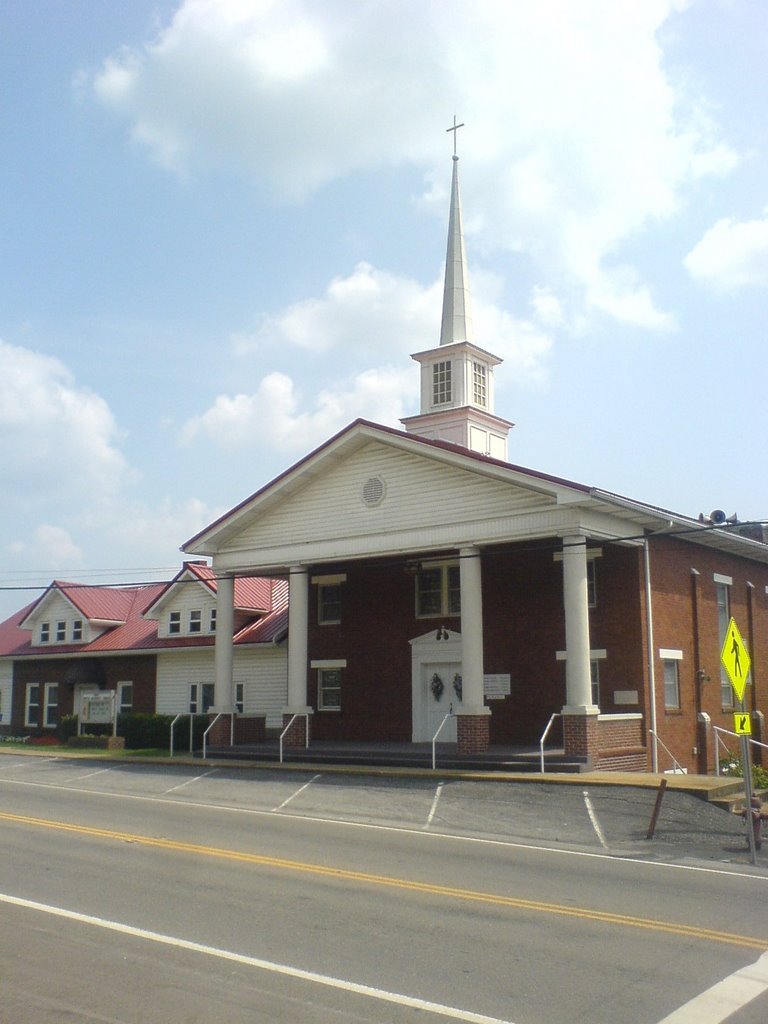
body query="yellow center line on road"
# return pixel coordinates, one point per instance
(366, 878)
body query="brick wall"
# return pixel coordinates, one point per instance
(141, 670)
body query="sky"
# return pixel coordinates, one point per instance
(222, 234)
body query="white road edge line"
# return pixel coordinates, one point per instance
(188, 782)
(511, 844)
(264, 965)
(595, 822)
(433, 808)
(294, 795)
(717, 1003)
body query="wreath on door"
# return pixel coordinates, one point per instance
(458, 686)
(437, 686)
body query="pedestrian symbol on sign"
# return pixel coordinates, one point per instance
(735, 659)
(742, 724)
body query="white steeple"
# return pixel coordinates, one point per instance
(457, 377)
(457, 310)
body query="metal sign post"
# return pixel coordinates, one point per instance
(736, 662)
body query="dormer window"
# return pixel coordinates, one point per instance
(45, 632)
(480, 384)
(77, 630)
(61, 632)
(212, 625)
(195, 621)
(174, 623)
(442, 392)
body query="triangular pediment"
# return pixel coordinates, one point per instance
(375, 490)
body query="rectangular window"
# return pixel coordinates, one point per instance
(441, 382)
(594, 676)
(328, 603)
(592, 582)
(239, 697)
(723, 618)
(51, 708)
(438, 591)
(212, 621)
(45, 632)
(480, 384)
(61, 632)
(174, 622)
(195, 621)
(200, 698)
(124, 698)
(329, 689)
(77, 629)
(32, 705)
(671, 683)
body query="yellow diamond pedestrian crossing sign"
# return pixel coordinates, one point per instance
(735, 659)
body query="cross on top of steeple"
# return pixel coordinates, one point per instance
(455, 127)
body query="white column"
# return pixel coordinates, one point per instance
(298, 624)
(225, 622)
(578, 681)
(471, 632)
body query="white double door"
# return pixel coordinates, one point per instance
(441, 694)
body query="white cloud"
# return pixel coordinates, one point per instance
(576, 136)
(731, 255)
(57, 438)
(273, 415)
(48, 545)
(368, 313)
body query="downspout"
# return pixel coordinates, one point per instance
(651, 673)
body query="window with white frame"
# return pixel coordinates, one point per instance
(32, 705)
(329, 689)
(438, 591)
(595, 657)
(239, 697)
(480, 383)
(45, 632)
(212, 621)
(592, 582)
(77, 630)
(671, 684)
(594, 678)
(723, 591)
(195, 621)
(329, 603)
(200, 698)
(51, 705)
(442, 390)
(61, 632)
(174, 622)
(124, 698)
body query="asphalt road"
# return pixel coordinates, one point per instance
(133, 893)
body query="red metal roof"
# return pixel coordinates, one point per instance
(136, 633)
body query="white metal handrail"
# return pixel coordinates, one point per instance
(676, 766)
(439, 730)
(183, 714)
(543, 738)
(205, 734)
(299, 714)
(717, 729)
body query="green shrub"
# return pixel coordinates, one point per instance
(732, 766)
(67, 728)
(146, 731)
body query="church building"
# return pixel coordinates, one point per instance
(434, 585)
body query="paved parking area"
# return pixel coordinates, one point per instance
(610, 820)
